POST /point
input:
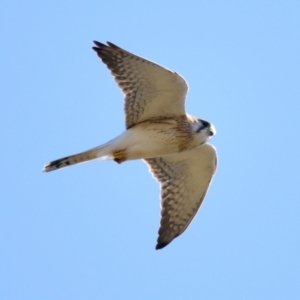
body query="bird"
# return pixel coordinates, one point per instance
(171, 142)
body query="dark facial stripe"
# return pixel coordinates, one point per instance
(205, 124)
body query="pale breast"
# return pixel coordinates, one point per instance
(158, 137)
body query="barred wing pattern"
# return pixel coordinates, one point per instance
(150, 90)
(184, 179)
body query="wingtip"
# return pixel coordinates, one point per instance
(98, 43)
(111, 45)
(161, 245)
(101, 45)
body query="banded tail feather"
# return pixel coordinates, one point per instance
(100, 151)
(71, 160)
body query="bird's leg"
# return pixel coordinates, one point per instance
(120, 156)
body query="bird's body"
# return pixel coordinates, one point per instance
(159, 131)
(155, 138)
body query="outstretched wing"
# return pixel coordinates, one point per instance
(150, 90)
(184, 179)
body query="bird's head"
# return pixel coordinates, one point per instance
(206, 127)
(202, 129)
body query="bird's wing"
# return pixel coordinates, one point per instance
(184, 178)
(150, 90)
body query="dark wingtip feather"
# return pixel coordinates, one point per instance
(98, 44)
(161, 245)
(99, 47)
(103, 46)
(112, 45)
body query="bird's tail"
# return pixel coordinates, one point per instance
(101, 151)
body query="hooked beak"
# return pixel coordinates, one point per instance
(212, 130)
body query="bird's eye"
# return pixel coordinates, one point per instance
(202, 125)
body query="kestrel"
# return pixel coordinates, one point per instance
(172, 143)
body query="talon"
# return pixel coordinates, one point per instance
(120, 156)
(119, 160)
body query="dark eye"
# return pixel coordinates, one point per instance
(203, 124)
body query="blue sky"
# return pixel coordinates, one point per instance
(89, 231)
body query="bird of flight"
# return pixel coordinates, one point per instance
(172, 143)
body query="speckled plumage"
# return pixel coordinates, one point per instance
(158, 130)
(150, 90)
(184, 178)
